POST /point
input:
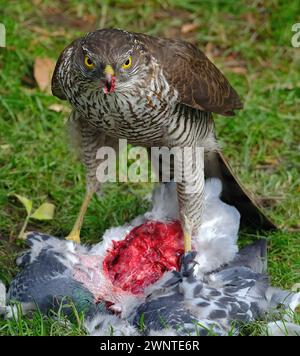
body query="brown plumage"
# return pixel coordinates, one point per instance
(198, 81)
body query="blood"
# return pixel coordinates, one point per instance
(144, 255)
(112, 87)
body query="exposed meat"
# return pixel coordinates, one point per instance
(144, 255)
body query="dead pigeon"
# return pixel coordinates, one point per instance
(214, 292)
(236, 294)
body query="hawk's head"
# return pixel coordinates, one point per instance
(109, 60)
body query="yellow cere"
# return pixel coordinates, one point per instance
(109, 70)
(128, 63)
(88, 62)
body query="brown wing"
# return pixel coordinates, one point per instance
(60, 64)
(198, 81)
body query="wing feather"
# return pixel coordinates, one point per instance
(197, 80)
(56, 85)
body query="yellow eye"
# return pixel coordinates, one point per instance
(88, 62)
(128, 63)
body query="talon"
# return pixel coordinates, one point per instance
(188, 263)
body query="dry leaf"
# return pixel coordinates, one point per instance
(59, 108)
(42, 71)
(27, 203)
(189, 27)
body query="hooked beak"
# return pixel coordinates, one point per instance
(110, 79)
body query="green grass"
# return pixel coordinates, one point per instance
(262, 142)
(54, 324)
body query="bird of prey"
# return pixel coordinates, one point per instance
(151, 91)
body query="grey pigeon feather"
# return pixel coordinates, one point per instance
(46, 281)
(180, 303)
(218, 303)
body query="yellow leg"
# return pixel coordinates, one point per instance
(187, 242)
(187, 234)
(74, 235)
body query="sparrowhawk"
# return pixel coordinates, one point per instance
(151, 91)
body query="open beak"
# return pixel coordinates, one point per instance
(110, 79)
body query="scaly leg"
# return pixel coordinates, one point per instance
(75, 233)
(187, 234)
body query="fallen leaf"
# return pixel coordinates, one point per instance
(189, 27)
(59, 108)
(44, 212)
(25, 201)
(42, 72)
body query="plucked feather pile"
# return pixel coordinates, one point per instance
(137, 280)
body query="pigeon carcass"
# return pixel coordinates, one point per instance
(137, 281)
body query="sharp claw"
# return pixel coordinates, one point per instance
(188, 263)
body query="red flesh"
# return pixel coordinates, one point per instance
(144, 255)
(112, 85)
